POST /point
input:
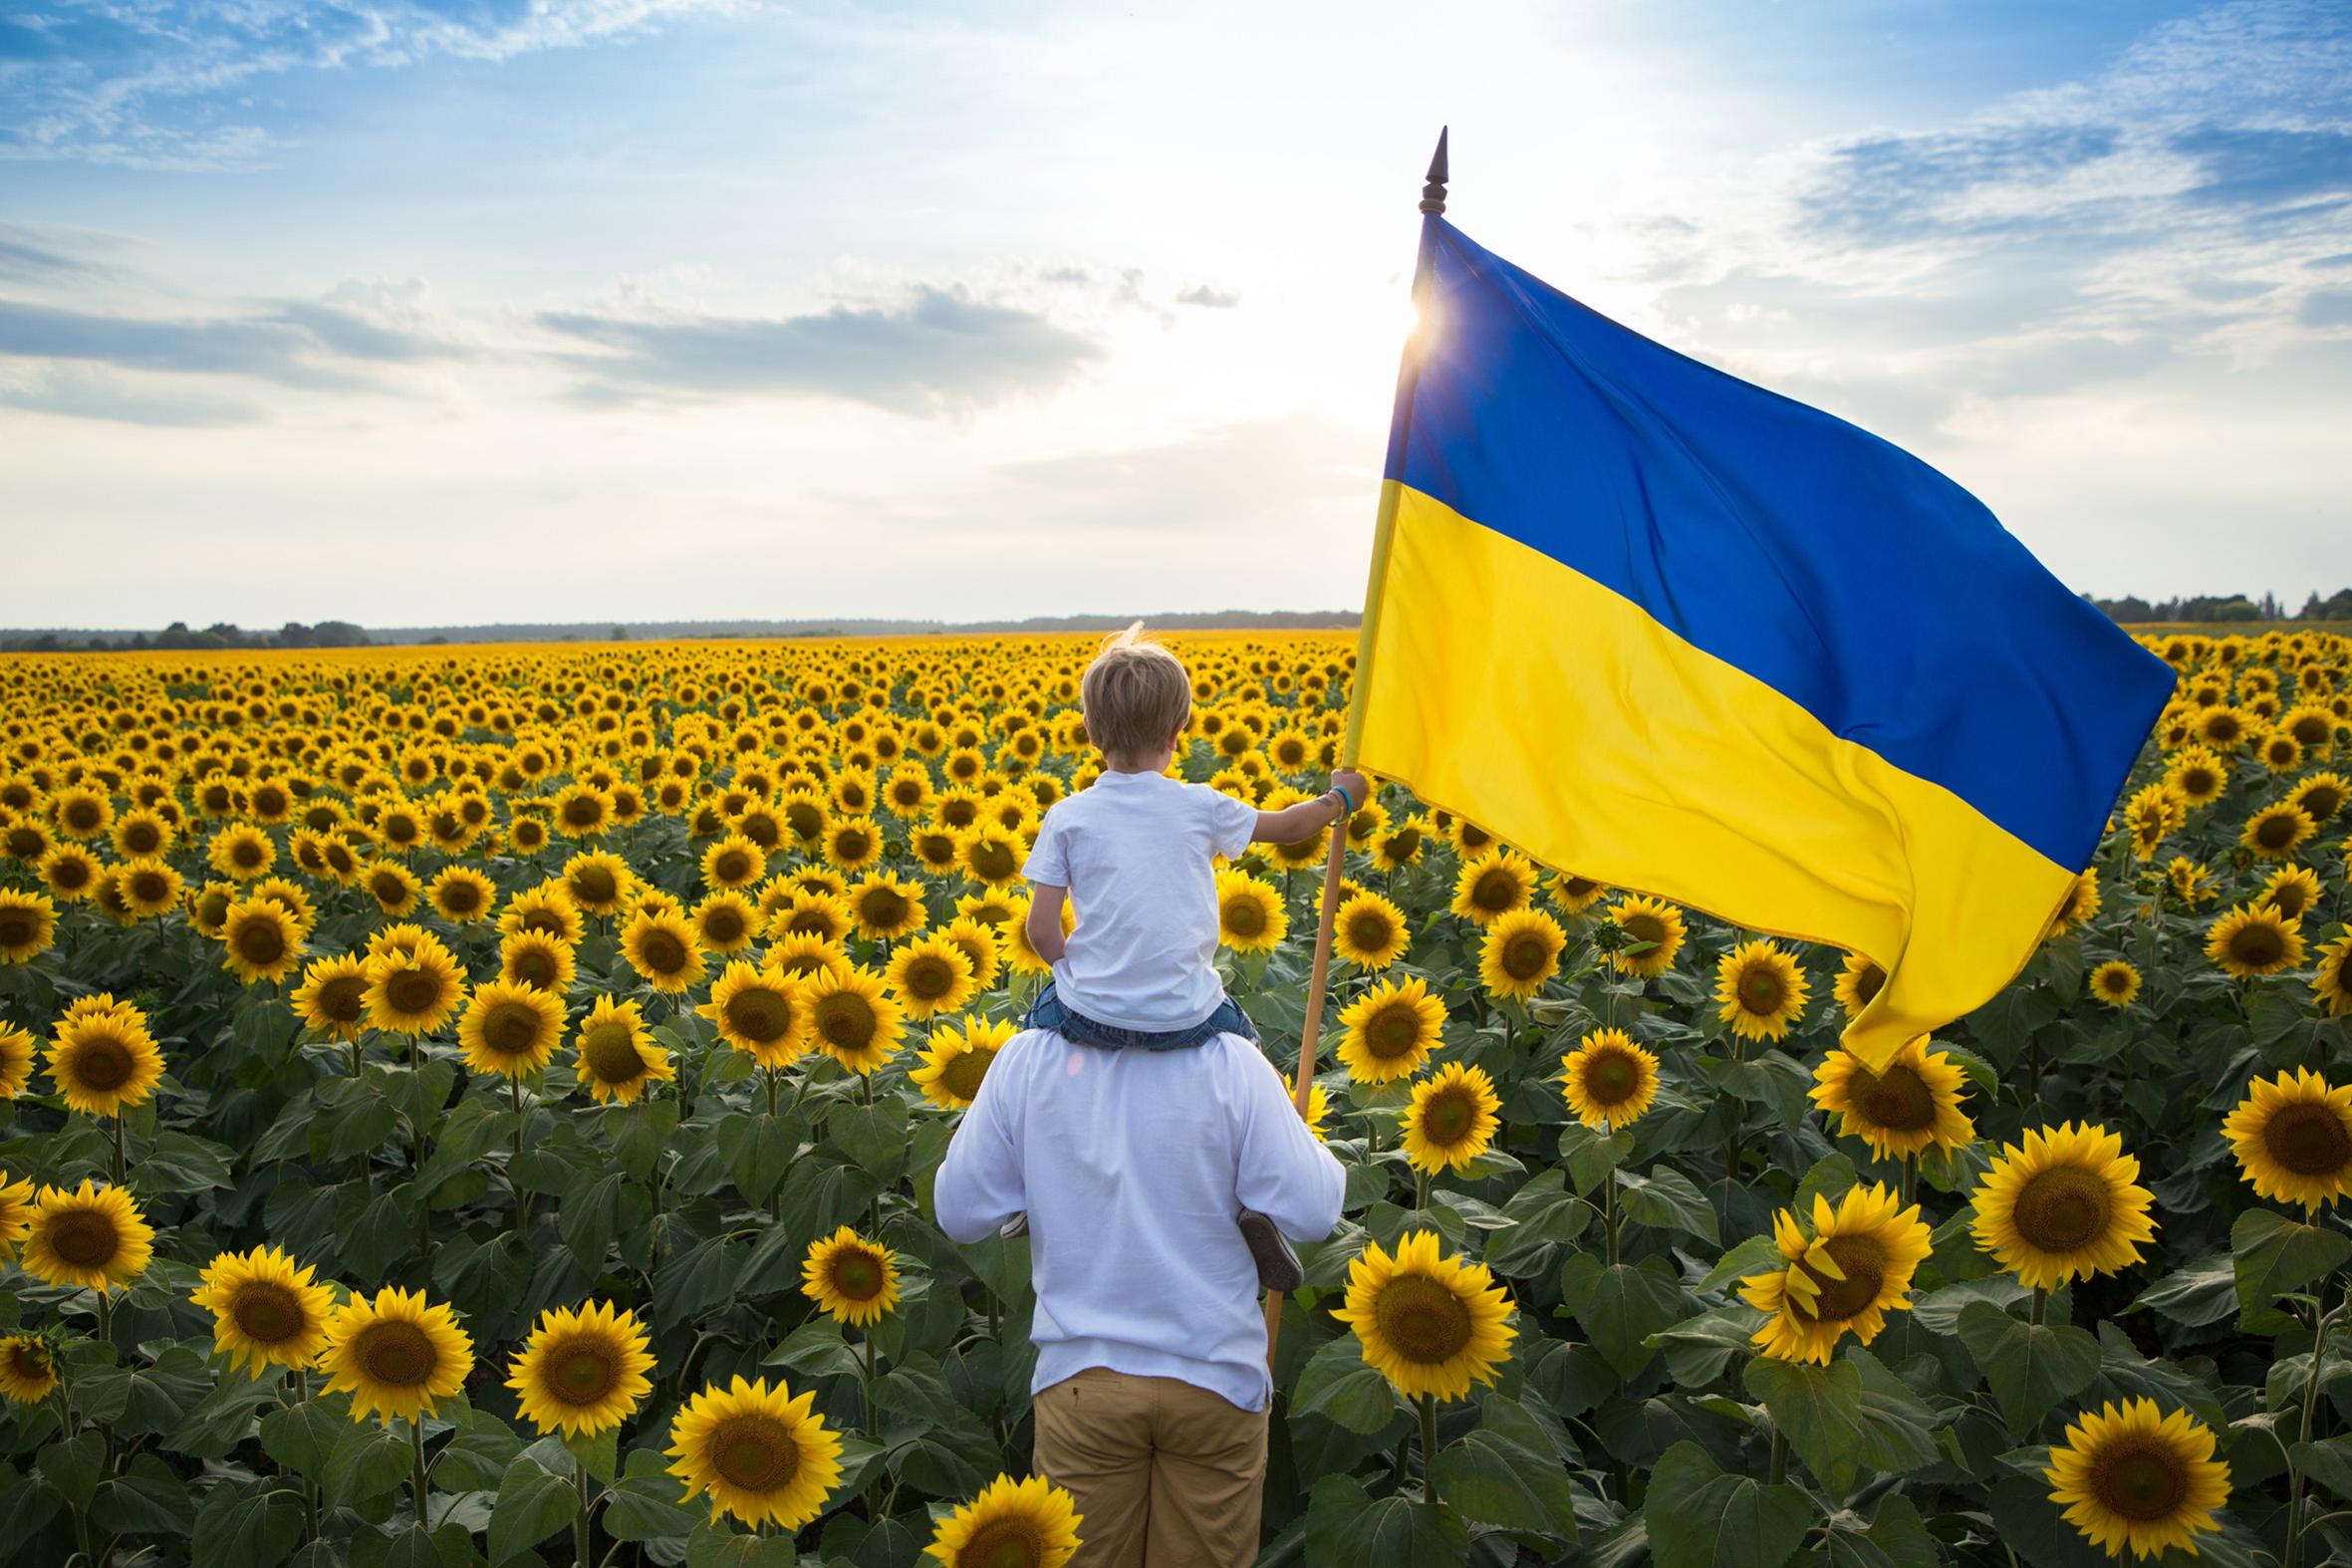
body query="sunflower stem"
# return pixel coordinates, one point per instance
(416, 1452)
(1429, 1456)
(310, 1488)
(2041, 1297)
(580, 1536)
(2294, 1473)
(1911, 1179)
(1421, 1190)
(105, 1315)
(121, 1166)
(1609, 1210)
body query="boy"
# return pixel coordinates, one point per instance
(1134, 1122)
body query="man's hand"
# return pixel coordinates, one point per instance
(1359, 788)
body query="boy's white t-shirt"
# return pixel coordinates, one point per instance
(1133, 849)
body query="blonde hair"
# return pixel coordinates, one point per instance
(1134, 694)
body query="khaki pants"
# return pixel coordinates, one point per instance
(1165, 1474)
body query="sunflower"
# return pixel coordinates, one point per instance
(854, 1020)
(978, 944)
(761, 1010)
(397, 1355)
(2276, 832)
(1028, 1523)
(16, 1061)
(2132, 1478)
(1910, 1105)
(583, 1371)
(68, 872)
(1493, 885)
(16, 1213)
(28, 1373)
(413, 991)
(266, 1311)
(92, 1236)
(825, 916)
(2063, 1204)
(1762, 990)
(725, 922)
(28, 924)
(1390, 1030)
(1651, 921)
(2291, 890)
(332, 1000)
(2193, 880)
(930, 976)
(758, 1453)
(1250, 913)
(1428, 1323)
(805, 955)
(510, 1029)
(102, 1059)
(148, 886)
(1858, 983)
(2331, 982)
(2080, 901)
(2115, 983)
(733, 862)
(1450, 1120)
(1402, 845)
(886, 907)
(537, 958)
(1844, 1276)
(598, 882)
(849, 1277)
(2293, 1139)
(547, 909)
(1370, 932)
(462, 896)
(1519, 952)
(852, 844)
(618, 1056)
(2253, 939)
(260, 941)
(663, 950)
(2153, 814)
(395, 888)
(2196, 775)
(2320, 796)
(989, 854)
(958, 1058)
(242, 852)
(1610, 1081)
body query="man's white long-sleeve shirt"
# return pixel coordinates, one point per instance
(1132, 1165)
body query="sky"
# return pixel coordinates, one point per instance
(443, 312)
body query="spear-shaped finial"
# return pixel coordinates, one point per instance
(1432, 194)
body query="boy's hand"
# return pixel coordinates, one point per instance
(1358, 787)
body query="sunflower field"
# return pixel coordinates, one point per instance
(479, 1107)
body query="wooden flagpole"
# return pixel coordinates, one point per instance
(1432, 202)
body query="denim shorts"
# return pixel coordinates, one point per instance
(1048, 1012)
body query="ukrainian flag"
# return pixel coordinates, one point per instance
(1666, 629)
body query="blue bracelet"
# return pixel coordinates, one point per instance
(1346, 799)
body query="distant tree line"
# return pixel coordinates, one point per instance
(179, 637)
(2225, 607)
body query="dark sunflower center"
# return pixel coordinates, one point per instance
(29, 1362)
(1646, 927)
(755, 1453)
(1003, 1543)
(1495, 891)
(961, 1076)
(611, 1054)
(2322, 801)
(851, 845)
(1868, 982)
(70, 874)
(513, 1029)
(760, 1014)
(722, 925)
(82, 816)
(584, 811)
(594, 885)
(2275, 832)
(993, 860)
(1244, 918)
(804, 820)
(1448, 1116)
(2115, 982)
(846, 1020)
(2288, 899)
(883, 906)
(2257, 945)
(261, 941)
(533, 966)
(1369, 932)
(582, 1374)
(1864, 1260)
(17, 928)
(460, 898)
(545, 922)
(266, 1312)
(1392, 1032)
(2308, 1140)
(2063, 1208)
(663, 952)
(2143, 1485)
(1423, 1319)
(857, 1276)
(389, 888)
(1612, 1078)
(928, 978)
(84, 1238)
(397, 1355)
(1898, 1099)
(103, 1063)
(1760, 992)
(150, 887)
(2198, 780)
(1524, 955)
(1402, 842)
(413, 991)
(732, 867)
